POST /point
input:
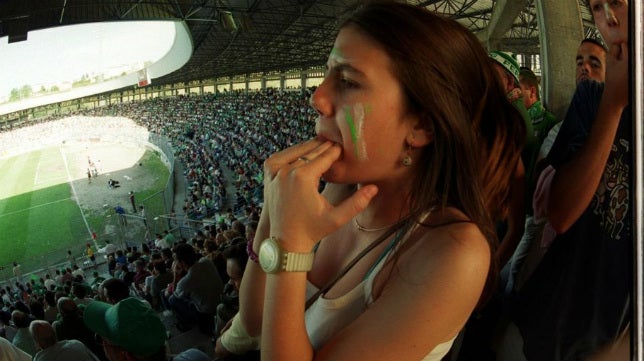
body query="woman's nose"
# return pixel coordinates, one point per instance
(321, 100)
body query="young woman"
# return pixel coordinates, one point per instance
(417, 145)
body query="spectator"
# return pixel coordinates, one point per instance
(51, 311)
(7, 331)
(591, 61)
(141, 273)
(432, 99)
(169, 238)
(53, 350)
(236, 259)
(560, 313)
(130, 330)
(196, 295)
(23, 339)
(79, 291)
(114, 290)
(50, 284)
(161, 279)
(70, 325)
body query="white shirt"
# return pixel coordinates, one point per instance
(326, 317)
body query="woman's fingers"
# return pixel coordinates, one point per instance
(354, 204)
(288, 156)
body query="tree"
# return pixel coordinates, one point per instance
(14, 95)
(26, 91)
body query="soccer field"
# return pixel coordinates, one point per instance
(48, 206)
(37, 212)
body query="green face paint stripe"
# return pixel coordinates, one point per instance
(352, 128)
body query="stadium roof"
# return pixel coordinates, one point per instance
(246, 37)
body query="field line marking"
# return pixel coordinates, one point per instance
(36, 178)
(71, 184)
(32, 207)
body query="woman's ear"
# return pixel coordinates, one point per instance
(419, 136)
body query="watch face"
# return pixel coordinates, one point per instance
(269, 256)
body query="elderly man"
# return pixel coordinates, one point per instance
(53, 350)
(70, 325)
(22, 339)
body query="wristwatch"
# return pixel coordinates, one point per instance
(273, 259)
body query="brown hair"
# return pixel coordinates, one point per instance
(527, 76)
(449, 83)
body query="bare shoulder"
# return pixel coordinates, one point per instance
(437, 278)
(453, 250)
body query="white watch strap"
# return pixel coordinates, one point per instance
(298, 262)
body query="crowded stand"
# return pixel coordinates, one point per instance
(221, 141)
(170, 285)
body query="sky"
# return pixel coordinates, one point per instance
(66, 53)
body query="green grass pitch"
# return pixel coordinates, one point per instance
(39, 219)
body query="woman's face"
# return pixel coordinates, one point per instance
(360, 106)
(611, 18)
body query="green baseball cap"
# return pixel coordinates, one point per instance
(507, 61)
(130, 324)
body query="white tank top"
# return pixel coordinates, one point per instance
(326, 316)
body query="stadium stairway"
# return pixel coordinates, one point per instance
(180, 187)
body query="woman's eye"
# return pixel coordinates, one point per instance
(347, 83)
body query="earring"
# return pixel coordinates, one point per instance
(407, 161)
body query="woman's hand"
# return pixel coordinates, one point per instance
(300, 215)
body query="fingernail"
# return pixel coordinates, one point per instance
(371, 191)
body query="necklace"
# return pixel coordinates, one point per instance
(362, 228)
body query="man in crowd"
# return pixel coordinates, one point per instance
(578, 300)
(53, 350)
(70, 325)
(591, 61)
(197, 293)
(590, 66)
(23, 339)
(131, 330)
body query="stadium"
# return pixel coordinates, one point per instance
(110, 165)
